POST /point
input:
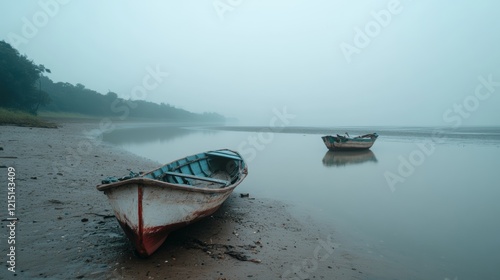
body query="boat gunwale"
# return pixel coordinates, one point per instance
(141, 180)
(157, 183)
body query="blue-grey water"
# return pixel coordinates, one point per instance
(424, 201)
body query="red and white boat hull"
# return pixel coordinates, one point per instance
(149, 211)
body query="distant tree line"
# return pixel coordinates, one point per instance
(23, 86)
(78, 99)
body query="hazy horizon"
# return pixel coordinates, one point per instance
(322, 63)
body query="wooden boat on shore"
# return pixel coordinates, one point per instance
(151, 205)
(340, 142)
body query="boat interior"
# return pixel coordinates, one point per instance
(216, 169)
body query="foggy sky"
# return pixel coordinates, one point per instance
(329, 63)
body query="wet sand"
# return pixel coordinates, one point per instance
(66, 228)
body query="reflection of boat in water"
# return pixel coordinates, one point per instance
(340, 142)
(342, 158)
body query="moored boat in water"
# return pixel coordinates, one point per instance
(151, 205)
(340, 142)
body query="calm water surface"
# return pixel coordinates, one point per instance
(438, 219)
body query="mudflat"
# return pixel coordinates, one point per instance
(66, 229)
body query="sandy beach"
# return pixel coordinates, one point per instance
(66, 228)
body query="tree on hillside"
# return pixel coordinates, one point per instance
(18, 81)
(43, 97)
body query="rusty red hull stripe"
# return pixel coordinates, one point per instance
(139, 215)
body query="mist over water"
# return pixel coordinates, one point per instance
(436, 221)
(351, 62)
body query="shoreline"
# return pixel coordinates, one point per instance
(66, 228)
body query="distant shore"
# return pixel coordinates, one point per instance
(66, 228)
(484, 134)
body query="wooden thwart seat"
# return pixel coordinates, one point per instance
(182, 175)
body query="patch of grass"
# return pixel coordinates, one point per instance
(19, 118)
(65, 115)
